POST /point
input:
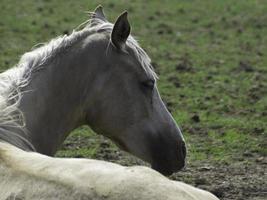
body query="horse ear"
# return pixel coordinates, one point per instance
(99, 14)
(121, 31)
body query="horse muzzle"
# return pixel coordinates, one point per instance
(168, 164)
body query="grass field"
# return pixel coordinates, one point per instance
(211, 57)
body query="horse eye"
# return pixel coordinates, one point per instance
(148, 84)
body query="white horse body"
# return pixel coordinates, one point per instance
(28, 175)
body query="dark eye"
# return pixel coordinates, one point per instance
(149, 84)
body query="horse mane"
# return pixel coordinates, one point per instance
(14, 79)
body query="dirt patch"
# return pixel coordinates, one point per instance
(228, 181)
(256, 92)
(195, 129)
(184, 64)
(244, 66)
(175, 81)
(195, 118)
(164, 28)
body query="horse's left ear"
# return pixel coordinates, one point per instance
(121, 31)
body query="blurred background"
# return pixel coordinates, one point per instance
(211, 57)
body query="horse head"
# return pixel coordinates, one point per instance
(126, 105)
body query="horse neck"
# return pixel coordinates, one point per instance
(54, 100)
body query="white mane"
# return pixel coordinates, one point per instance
(12, 80)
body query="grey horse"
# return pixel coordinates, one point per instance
(98, 76)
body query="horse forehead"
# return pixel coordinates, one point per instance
(135, 66)
(140, 60)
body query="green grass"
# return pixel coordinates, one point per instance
(222, 42)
